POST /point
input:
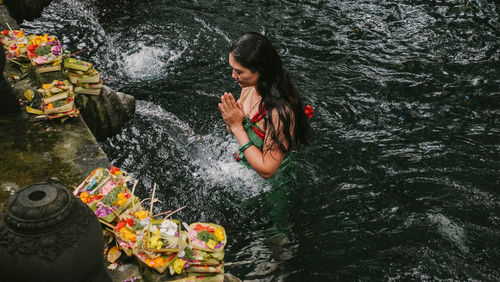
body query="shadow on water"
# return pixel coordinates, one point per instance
(402, 180)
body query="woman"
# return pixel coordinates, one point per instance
(268, 120)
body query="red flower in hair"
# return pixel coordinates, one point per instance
(308, 110)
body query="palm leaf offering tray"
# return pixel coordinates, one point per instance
(16, 44)
(58, 100)
(159, 243)
(81, 73)
(45, 52)
(106, 193)
(206, 236)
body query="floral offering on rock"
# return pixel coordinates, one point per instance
(206, 236)
(163, 235)
(44, 49)
(86, 79)
(105, 192)
(15, 43)
(57, 100)
(160, 244)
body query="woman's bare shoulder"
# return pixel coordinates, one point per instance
(243, 91)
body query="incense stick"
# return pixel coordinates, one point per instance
(156, 215)
(71, 54)
(152, 200)
(175, 211)
(77, 52)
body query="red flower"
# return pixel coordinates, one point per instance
(120, 225)
(199, 227)
(5, 32)
(114, 170)
(130, 221)
(308, 110)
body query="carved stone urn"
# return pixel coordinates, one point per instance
(47, 234)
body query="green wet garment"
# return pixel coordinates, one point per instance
(286, 167)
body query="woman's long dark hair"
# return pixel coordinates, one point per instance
(255, 52)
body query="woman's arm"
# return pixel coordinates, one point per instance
(265, 164)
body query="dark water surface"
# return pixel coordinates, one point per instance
(402, 182)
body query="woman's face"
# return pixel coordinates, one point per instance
(243, 76)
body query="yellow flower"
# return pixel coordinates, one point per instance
(219, 235)
(179, 265)
(47, 86)
(155, 240)
(127, 234)
(141, 214)
(121, 199)
(211, 244)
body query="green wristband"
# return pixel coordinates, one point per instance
(245, 146)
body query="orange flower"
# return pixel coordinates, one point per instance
(159, 261)
(85, 197)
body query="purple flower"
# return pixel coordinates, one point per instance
(103, 211)
(56, 50)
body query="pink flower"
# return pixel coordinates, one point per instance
(108, 187)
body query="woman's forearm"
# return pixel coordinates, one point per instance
(265, 166)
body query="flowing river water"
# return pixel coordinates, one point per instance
(402, 181)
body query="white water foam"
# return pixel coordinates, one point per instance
(148, 62)
(209, 157)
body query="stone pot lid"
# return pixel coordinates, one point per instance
(37, 208)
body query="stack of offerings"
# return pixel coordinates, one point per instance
(45, 52)
(58, 100)
(86, 79)
(206, 241)
(159, 243)
(15, 44)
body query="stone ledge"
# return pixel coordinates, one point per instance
(36, 150)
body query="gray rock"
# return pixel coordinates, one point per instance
(8, 102)
(26, 9)
(106, 113)
(6, 20)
